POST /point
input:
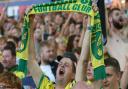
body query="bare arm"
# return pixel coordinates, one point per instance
(3, 16)
(83, 61)
(33, 66)
(83, 31)
(81, 69)
(65, 25)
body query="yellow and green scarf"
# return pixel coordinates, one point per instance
(82, 6)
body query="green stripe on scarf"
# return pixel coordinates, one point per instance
(97, 55)
(21, 71)
(23, 66)
(22, 54)
(99, 73)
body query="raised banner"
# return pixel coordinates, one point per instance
(82, 6)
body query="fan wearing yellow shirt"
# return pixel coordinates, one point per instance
(65, 73)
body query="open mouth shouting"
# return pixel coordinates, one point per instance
(121, 20)
(61, 71)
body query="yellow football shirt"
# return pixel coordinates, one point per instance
(47, 84)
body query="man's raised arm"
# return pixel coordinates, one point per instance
(33, 66)
(84, 56)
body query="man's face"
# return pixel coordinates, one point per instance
(52, 28)
(112, 79)
(62, 44)
(13, 32)
(47, 54)
(47, 19)
(71, 28)
(58, 20)
(53, 54)
(76, 42)
(37, 34)
(8, 60)
(117, 19)
(90, 72)
(77, 17)
(65, 70)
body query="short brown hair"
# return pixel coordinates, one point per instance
(114, 63)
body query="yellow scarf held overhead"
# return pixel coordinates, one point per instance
(83, 6)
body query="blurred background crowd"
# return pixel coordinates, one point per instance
(57, 33)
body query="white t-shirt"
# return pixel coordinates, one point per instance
(46, 69)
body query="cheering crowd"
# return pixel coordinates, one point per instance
(62, 48)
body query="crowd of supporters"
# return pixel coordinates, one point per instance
(62, 61)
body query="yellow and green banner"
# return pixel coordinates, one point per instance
(82, 6)
(96, 49)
